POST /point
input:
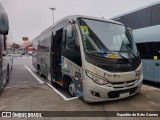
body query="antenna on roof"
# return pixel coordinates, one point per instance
(95, 8)
(100, 13)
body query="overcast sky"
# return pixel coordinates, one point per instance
(30, 17)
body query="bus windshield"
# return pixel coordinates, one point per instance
(100, 37)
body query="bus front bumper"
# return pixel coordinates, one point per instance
(93, 92)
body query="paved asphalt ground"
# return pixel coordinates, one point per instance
(25, 93)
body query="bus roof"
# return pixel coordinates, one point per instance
(74, 17)
(152, 4)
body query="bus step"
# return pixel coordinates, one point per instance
(60, 82)
(58, 76)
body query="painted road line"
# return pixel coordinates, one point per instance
(41, 82)
(34, 69)
(59, 93)
(38, 79)
(24, 86)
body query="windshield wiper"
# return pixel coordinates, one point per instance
(127, 51)
(133, 54)
(119, 54)
(123, 57)
(111, 52)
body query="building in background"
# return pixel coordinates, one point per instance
(25, 47)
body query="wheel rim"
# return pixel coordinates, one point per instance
(72, 89)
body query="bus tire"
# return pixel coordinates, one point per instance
(71, 89)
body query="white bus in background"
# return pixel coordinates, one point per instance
(94, 58)
(145, 23)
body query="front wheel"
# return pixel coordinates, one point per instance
(72, 89)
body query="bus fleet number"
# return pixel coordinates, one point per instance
(77, 74)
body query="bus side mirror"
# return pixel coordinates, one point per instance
(71, 21)
(4, 25)
(69, 33)
(130, 30)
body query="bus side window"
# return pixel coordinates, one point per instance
(71, 45)
(71, 38)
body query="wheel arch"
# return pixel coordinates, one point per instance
(66, 80)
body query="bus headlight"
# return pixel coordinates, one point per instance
(96, 79)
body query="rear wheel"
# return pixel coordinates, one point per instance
(71, 89)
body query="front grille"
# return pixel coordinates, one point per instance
(115, 94)
(115, 83)
(124, 84)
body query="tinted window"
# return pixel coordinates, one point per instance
(146, 50)
(138, 19)
(156, 15)
(71, 49)
(43, 46)
(71, 38)
(157, 49)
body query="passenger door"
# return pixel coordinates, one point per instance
(71, 51)
(56, 54)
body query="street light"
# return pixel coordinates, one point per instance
(53, 13)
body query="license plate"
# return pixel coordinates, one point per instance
(122, 95)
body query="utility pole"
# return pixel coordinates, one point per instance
(53, 13)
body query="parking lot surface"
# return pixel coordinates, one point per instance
(26, 93)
